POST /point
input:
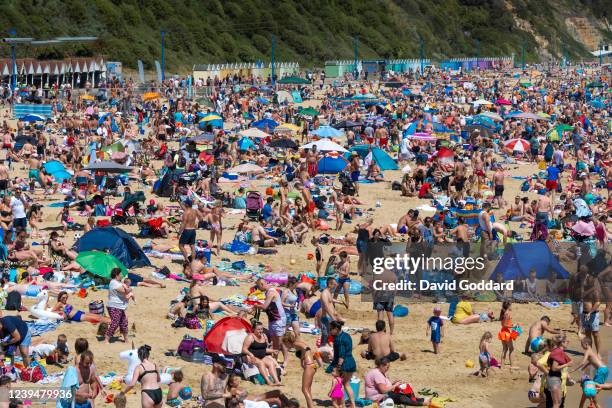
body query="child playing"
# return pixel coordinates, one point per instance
(172, 399)
(435, 325)
(506, 334)
(484, 356)
(318, 254)
(60, 354)
(591, 358)
(336, 392)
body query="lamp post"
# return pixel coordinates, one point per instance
(163, 55)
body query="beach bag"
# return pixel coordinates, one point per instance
(96, 307)
(13, 301)
(32, 374)
(191, 321)
(188, 345)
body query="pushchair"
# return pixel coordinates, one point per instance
(121, 213)
(348, 186)
(254, 205)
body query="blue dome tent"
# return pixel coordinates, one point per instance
(520, 258)
(117, 242)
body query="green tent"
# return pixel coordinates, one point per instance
(293, 80)
(100, 263)
(309, 112)
(556, 134)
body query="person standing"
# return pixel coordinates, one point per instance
(213, 384)
(486, 229)
(187, 232)
(343, 357)
(18, 207)
(117, 305)
(498, 181)
(147, 375)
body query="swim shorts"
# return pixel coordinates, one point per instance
(499, 191)
(188, 237)
(590, 321)
(601, 375)
(551, 185)
(355, 175)
(384, 306)
(277, 328)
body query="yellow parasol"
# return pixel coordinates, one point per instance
(149, 96)
(289, 126)
(87, 97)
(210, 118)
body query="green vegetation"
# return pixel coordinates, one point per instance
(215, 31)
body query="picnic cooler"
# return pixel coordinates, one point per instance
(96, 307)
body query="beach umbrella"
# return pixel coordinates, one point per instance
(284, 144)
(108, 166)
(483, 130)
(309, 112)
(149, 96)
(525, 84)
(247, 168)
(288, 126)
(556, 134)
(262, 100)
(254, 133)
(484, 121)
(492, 115)
(293, 80)
(529, 115)
(481, 101)
(347, 124)
(264, 123)
(245, 144)
(202, 138)
(332, 163)
(327, 131)
(32, 118)
(100, 263)
(87, 97)
(503, 102)
(544, 115)
(517, 145)
(324, 145)
(597, 104)
(210, 118)
(426, 137)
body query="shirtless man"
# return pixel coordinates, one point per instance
(461, 233)
(7, 141)
(311, 160)
(187, 231)
(544, 207)
(408, 221)
(310, 204)
(498, 181)
(536, 331)
(261, 238)
(478, 166)
(590, 307)
(380, 345)
(199, 267)
(4, 177)
(591, 358)
(586, 186)
(328, 309)
(486, 229)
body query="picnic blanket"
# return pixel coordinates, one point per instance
(39, 327)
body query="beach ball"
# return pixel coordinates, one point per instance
(292, 261)
(185, 393)
(469, 363)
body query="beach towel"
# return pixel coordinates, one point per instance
(69, 382)
(40, 327)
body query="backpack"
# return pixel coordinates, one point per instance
(187, 346)
(191, 321)
(13, 301)
(32, 374)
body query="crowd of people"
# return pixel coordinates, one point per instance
(457, 138)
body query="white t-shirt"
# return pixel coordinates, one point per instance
(116, 299)
(18, 208)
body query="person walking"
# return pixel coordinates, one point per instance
(117, 305)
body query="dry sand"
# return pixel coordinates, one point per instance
(445, 373)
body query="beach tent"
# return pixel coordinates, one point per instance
(328, 131)
(520, 258)
(221, 337)
(163, 186)
(264, 124)
(331, 164)
(117, 242)
(297, 98)
(384, 161)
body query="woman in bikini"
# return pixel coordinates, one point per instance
(65, 309)
(148, 377)
(309, 363)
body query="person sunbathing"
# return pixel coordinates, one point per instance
(58, 247)
(71, 314)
